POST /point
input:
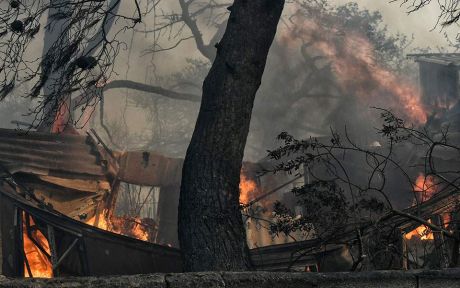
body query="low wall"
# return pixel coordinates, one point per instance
(382, 279)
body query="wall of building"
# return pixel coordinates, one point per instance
(381, 279)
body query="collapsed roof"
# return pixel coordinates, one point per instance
(54, 182)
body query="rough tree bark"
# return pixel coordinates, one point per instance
(211, 232)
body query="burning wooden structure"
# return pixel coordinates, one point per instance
(58, 195)
(38, 242)
(53, 186)
(335, 253)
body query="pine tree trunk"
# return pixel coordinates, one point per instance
(211, 232)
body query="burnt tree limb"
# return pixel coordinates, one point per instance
(211, 231)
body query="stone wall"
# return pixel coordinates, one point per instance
(382, 279)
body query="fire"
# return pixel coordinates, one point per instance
(422, 232)
(426, 186)
(61, 118)
(446, 219)
(425, 233)
(353, 60)
(61, 123)
(247, 188)
(39, 263)
(127, 226)
(139, 232)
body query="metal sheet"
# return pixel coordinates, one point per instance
(68, 156)
(149, 168)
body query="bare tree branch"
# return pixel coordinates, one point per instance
(128, 84)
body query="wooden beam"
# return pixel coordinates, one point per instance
(53, 249)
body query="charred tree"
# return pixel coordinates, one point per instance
(211, 231)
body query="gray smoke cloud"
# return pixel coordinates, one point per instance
(421, 24)
(134, 63)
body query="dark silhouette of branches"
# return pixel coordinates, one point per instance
(350, 184)
(449, 9)
(78, 58)
(172, 25)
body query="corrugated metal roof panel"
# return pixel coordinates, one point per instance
(50, 154)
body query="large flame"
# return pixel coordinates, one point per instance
(247, 189)
(127, 226)
(422, 232)
(39, 263)
(352, 57)
(426, 186)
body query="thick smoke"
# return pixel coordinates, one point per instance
(327, 68)
(306, 88)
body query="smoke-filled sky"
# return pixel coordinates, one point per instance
(137, 66)
(421, 24)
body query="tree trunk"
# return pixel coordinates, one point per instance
(211, 232)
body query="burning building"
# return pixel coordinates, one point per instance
(58, 196)
(58, 213)
(421, 229)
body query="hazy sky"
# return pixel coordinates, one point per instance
(420, 24)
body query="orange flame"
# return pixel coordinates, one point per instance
(120, 225)
(446, 219)
(352, 58)
(247, 188)
(61, 118)
(422, 232)
(39, 263)
(426, 186)
(140, 233)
